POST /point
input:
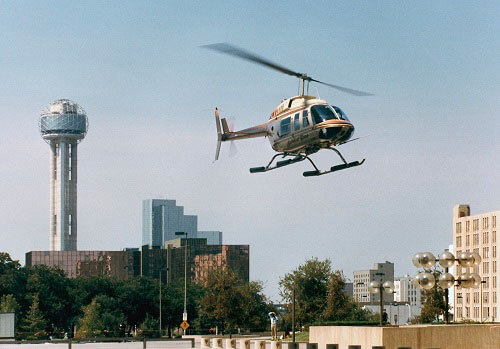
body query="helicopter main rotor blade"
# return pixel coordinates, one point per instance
(238, 52)
(243, 54)
(343, 89)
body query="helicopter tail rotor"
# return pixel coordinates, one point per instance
(219, 133)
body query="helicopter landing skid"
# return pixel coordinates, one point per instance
(281, 163)
(335, 168)
(302, 157)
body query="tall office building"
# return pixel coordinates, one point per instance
(362, 278)
(162, 218)
(63, 124)
(477, 233)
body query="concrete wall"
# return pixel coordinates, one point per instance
(416, 337)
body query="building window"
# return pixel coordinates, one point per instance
(494, 282)
(475, 225)
(485, 297)
(467, 240)
(459, 241)
(494, 252)
(485, 237)
(486, 267)
(494, 297)
(487, 283)
(475, 240)
(494, 237)
(467, 226)
(486, 252)
(476, 297)
(494, 221)
(458, 228)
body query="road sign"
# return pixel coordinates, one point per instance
(184, 325)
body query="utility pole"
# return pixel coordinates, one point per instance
(293, 314)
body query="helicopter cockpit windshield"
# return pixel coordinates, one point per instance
(322, 113)
(340, 113)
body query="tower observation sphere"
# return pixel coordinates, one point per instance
(63, 124)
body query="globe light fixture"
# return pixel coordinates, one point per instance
(446, 280)
(465, 259)
(426, 280)
(374, 287)
(424, 260)
(388, 287)
(477, 259)
(446, 259)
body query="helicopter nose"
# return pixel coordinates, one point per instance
(337, 132)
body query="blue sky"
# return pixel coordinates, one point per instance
(149, 91)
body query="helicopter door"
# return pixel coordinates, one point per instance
(296, 122)
(305, 118)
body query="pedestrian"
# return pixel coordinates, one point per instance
(274, 325)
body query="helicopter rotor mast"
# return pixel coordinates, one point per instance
(246, 55)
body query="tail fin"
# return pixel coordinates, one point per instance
(225, 128)
(219, 133)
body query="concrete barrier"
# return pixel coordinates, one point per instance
(244, 343)
(275, 344)
(230, 343)
(216, 343)
(457, 336)
(259, 344)
(205, 343)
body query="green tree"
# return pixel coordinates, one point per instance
(310, 282)
(54, 291)
(150, 327)
(90, 325)
(8, 304)
(35, 325)
(434, 303)
(223, 300)
(341, 306)
(255, 307)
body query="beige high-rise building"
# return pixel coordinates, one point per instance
(477, 233)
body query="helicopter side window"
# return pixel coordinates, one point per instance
(296, 122)
(285, 126)
(305, 118)
(322, 113)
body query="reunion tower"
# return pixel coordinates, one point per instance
(63, 124)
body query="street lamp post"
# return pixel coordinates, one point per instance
(481, 295)
(427, 280)
(184, 314)
(380, 287)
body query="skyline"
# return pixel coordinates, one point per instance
(150, 92)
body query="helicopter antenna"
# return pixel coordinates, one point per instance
(246, 55)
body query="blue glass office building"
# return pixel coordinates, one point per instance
(162, 218)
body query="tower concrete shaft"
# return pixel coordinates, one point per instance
(63, 125)
(63, 195)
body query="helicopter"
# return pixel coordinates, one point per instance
(298, 127)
